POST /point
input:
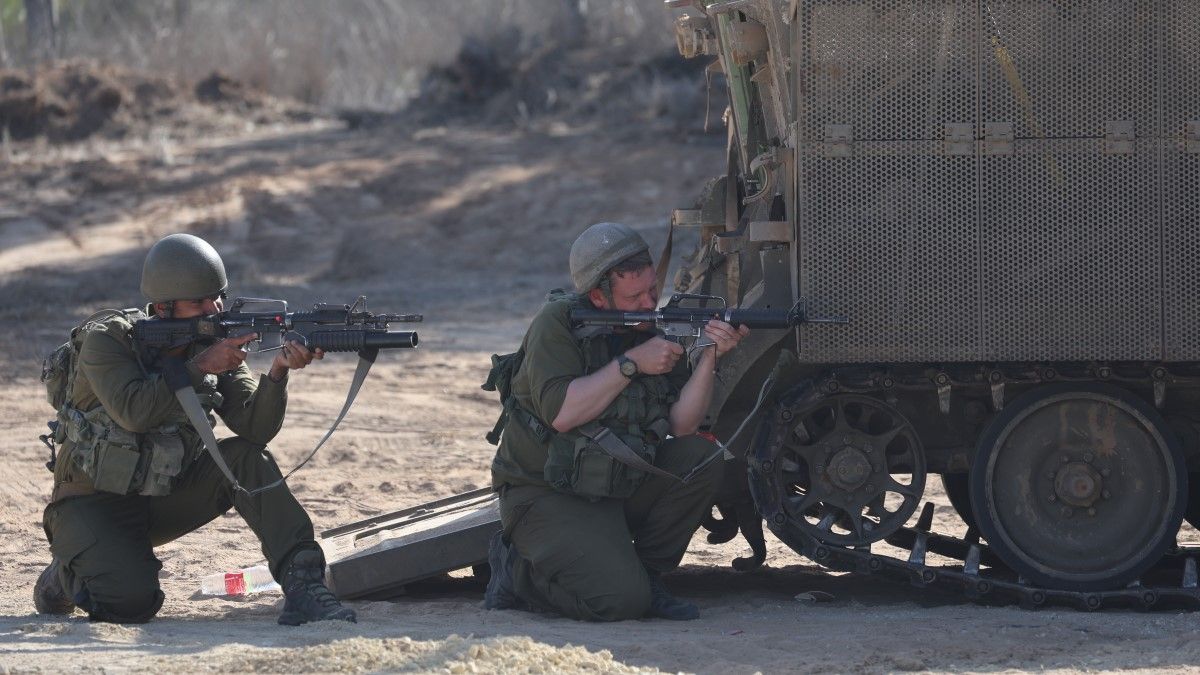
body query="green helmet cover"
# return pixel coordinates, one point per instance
(182, 267)
(600, 248)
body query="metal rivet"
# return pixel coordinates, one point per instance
(1088, 457)
(1091, 512)
(779, 518)
(1105, 494)
(1065, 459)
(1052, 498)
(767, 465)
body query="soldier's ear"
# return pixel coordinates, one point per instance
(597, 297)
(162, 309)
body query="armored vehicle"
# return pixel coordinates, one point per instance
(1003, 198)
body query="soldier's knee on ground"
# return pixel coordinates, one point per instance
(125, 594)
(618, 599)
(133, 608)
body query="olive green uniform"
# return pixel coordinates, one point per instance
(105, 540)
(587, 556)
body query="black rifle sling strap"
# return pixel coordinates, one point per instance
(614, 447)
(179, 382)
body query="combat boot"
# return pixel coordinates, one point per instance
(49, 597)
(663, 605)
(501, 592)
(305, 596)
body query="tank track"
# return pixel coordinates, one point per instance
(982, 577)
(993, 584)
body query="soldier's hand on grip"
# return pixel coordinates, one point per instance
(724, 336)
(224, 356)
(655, 356)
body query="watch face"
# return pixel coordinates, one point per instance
(628, 367)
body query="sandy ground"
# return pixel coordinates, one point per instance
(471, 227)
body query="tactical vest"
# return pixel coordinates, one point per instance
(638, 416)
(113, 458)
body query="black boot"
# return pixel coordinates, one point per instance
(663, 605)
(500, 593)
(49, 597)
(306, 597)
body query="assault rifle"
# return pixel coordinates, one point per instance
(330, 328)
(686, 314)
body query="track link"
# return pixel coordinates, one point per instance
(993, 583)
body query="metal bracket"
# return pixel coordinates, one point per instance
(839, 140)
(694, 36)
(998, 138)
(997, 395)
(770, 230)
(1120, 137)
(1159, 376)
(942, 380)
(1193, 137)
(690, 218)
(958, 138)
(729, 243)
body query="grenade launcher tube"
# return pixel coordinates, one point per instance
(356, 340)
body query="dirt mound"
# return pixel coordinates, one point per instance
(495, 80)
(75, 100)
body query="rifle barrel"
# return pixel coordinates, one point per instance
(751, 318)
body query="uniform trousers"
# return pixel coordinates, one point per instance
(589, 559)
(105, 542)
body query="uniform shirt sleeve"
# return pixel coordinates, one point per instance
(137, 401)
(253, 408)
(552, 359)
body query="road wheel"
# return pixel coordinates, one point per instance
(1079, 486)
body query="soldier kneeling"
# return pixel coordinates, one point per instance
(134, 474)
(584, 534)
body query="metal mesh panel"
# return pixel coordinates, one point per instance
(1070, 252)
(1062, 69)
(891, 244)
(892, 70)
(1048, 248)
(1181, 179)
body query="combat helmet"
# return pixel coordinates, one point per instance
(182, 267)
(600, 248)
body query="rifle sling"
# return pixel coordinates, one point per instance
(179, 381)
(614, 447)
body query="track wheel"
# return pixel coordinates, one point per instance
(1079, 486)
(846, 470)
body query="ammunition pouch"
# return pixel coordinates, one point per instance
(120, 461)
(576, 463)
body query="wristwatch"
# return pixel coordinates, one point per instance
(628, 366)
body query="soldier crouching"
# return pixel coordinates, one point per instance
(133, 473)
(584, 534)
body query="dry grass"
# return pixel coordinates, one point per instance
(359, 53)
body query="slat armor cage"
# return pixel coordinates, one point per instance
(999, 181)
